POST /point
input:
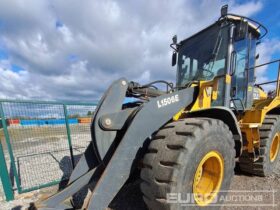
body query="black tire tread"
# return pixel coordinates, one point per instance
(159, 178)
(259, 167)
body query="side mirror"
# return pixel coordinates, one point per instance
(174, 58)
(232, 63)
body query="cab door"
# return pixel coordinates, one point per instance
(243, 78)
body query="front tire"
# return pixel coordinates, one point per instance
(194, 157)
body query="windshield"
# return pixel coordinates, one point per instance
(203, 56)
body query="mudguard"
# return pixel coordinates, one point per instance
(149, 118)
(228, 117)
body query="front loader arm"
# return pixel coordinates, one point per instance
(147, 119)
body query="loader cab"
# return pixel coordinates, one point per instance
(244, 58)
(203, 57)
(227, 47)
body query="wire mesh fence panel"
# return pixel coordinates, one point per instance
(80, 133)
(38, 137)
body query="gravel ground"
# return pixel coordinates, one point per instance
(44, 157)
(2, 197)
(130, 197)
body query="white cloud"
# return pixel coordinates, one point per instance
(247, 9)
(15, 85)
(266, 50)
(66, 34)
(110, 39)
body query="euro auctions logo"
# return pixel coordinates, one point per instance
(231, 198)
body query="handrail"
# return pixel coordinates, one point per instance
(253, 21)
(264, 64)
(273, 81)
(278, 81)
(266, 83)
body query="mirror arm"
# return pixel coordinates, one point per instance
(174, 47)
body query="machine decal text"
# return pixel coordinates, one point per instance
(168, 101)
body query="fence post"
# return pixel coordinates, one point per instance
(9, 146)
(69, 135)
(5, 178)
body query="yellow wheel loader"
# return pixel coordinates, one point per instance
(185, 139)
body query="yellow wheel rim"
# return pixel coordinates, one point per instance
(208, 178)
(274, 148)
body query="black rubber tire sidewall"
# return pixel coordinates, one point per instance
(268, 165)
(214, 141)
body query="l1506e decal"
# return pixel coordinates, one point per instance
(167, 101)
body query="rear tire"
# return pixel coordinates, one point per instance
(174, 158)
(269, 154)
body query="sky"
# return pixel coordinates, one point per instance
(73, 50)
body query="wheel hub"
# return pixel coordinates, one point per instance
(208, 178)
(274, 148)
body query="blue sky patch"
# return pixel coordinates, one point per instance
(58, 24)
(3, 54)
(73, 58)
(1, 24)
(16, 68)
(269, 16)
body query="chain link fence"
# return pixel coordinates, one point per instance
(42, 141)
